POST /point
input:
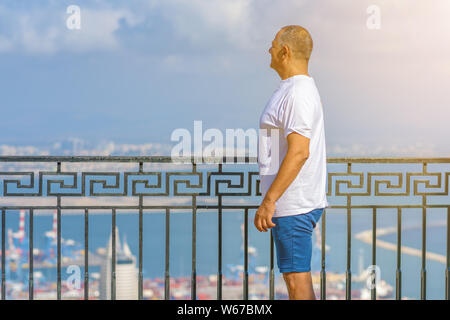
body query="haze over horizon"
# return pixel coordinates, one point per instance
(76, 146)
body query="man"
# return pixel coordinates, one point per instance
(294, 194)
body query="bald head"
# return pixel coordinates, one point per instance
(298, 40)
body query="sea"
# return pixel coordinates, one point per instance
(72, 227)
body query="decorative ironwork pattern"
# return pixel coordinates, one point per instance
(219, 182)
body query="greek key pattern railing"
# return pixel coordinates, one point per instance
(213, 178)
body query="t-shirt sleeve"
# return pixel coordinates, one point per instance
(297, 116)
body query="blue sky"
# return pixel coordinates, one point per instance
(137, 70)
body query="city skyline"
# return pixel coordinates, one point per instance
(78, 146)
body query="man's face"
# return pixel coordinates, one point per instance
(274, 51)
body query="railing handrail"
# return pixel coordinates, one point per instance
(247, 159)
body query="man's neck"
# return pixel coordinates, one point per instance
(299, 69)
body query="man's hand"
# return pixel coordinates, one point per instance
(263, 216)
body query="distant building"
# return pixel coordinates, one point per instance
(126, 272)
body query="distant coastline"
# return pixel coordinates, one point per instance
(366, 237)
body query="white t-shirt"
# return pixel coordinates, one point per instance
(295, 106)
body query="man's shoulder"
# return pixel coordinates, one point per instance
(300, 94)
(300, 89)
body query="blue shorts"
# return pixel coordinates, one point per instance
(293, 240)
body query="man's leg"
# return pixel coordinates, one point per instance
(299, 285)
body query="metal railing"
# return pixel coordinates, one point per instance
(168, 185)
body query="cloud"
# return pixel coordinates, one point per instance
(208, 22)
(5, 44)
(98, 30)
(228, 25)
(11, 150)
(43, 30)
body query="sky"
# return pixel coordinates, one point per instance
(137, 70)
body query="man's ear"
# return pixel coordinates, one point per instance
(284, 52)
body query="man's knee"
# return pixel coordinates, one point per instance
(294, 279)
(299, 285)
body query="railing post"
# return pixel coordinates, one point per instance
(86, 254)
(272, 274)
(58, 240)
(398, 274)
(3, 255)
(245, 293)
(423, 272)
(194, 244)
(113, 255)
(447, 270)
(141, 243)
(30, 257)
(348, 273)
(167, 258)
(219, 244)
(323, 272)
(373, 291)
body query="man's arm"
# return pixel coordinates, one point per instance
(296, 156)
